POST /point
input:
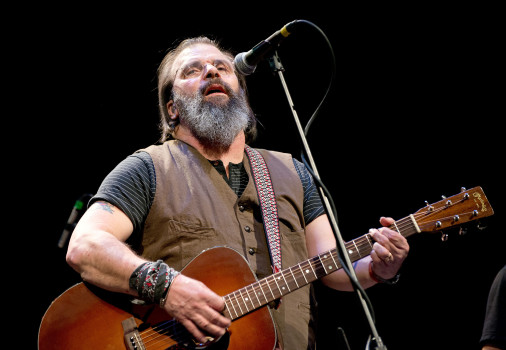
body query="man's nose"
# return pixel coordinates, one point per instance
(211, 71)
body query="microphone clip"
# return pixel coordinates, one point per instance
(275, 63)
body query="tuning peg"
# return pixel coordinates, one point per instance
(480, 227)
(463, 189)
(443, 197)
(444, 236)
(429, 207)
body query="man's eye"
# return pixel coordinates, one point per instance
(190, 72)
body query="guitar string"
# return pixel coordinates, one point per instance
(161, 335)
(429, 220)
(164, 327)
(257, 288)
(404, 226)
(152, 338)
(360, 242)
(400, 226)
(254, 287)
(298, 275)
(435, 210)
(155, 334)
(158, 334)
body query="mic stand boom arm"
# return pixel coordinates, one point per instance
(277, 67)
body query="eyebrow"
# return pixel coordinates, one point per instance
(196, 63)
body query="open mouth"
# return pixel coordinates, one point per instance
(215, 89)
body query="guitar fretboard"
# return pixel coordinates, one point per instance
(275, 286)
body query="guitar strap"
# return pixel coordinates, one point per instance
(268, 205)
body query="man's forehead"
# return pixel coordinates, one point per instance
(201, 52)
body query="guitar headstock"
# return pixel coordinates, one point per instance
(468, 205)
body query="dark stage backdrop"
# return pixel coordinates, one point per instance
(414, 114)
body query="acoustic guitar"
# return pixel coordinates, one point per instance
(86, 317)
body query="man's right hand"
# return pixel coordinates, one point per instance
(197, 308)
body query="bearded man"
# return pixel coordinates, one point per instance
(166, 204)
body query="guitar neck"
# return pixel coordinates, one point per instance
(275, 286)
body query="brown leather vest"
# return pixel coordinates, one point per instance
(195, 209)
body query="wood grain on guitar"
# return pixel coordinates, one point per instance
(85, 317)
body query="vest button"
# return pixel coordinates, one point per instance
(247, 228)
(251, 251)
(241, 207)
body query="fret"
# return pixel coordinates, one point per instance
(364, 248)
(258, 293)
(347, 246)
(294, 278)
(236, 305)
(328, 263)
(270, 290)
(356, 249)
(302, 272)
(277, 285)
(286, 283)
(226, 305)
(335, 263)
(252, 294)
(268, 285)
(314, 272)
(368, 240)
(233, 307)
(262, 290)
(238, 301)
(249, 298)
(243, 302)
(322, 264)
(408, 224)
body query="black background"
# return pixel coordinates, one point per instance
(414, 114)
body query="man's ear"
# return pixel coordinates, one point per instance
(171, 109)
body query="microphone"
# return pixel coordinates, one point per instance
(246, 62)
(72, 220)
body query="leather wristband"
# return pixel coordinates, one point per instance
(152, 281)
(379, 279)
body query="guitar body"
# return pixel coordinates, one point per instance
(84, 317)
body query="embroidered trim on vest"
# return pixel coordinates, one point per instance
(268, 205)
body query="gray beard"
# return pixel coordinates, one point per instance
(215, 126)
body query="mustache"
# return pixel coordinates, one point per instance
(217, 81)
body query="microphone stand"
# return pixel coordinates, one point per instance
(278, 68)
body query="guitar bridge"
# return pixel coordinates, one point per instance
(131, 336)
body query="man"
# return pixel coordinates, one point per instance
(164, 205)
(493, 336)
